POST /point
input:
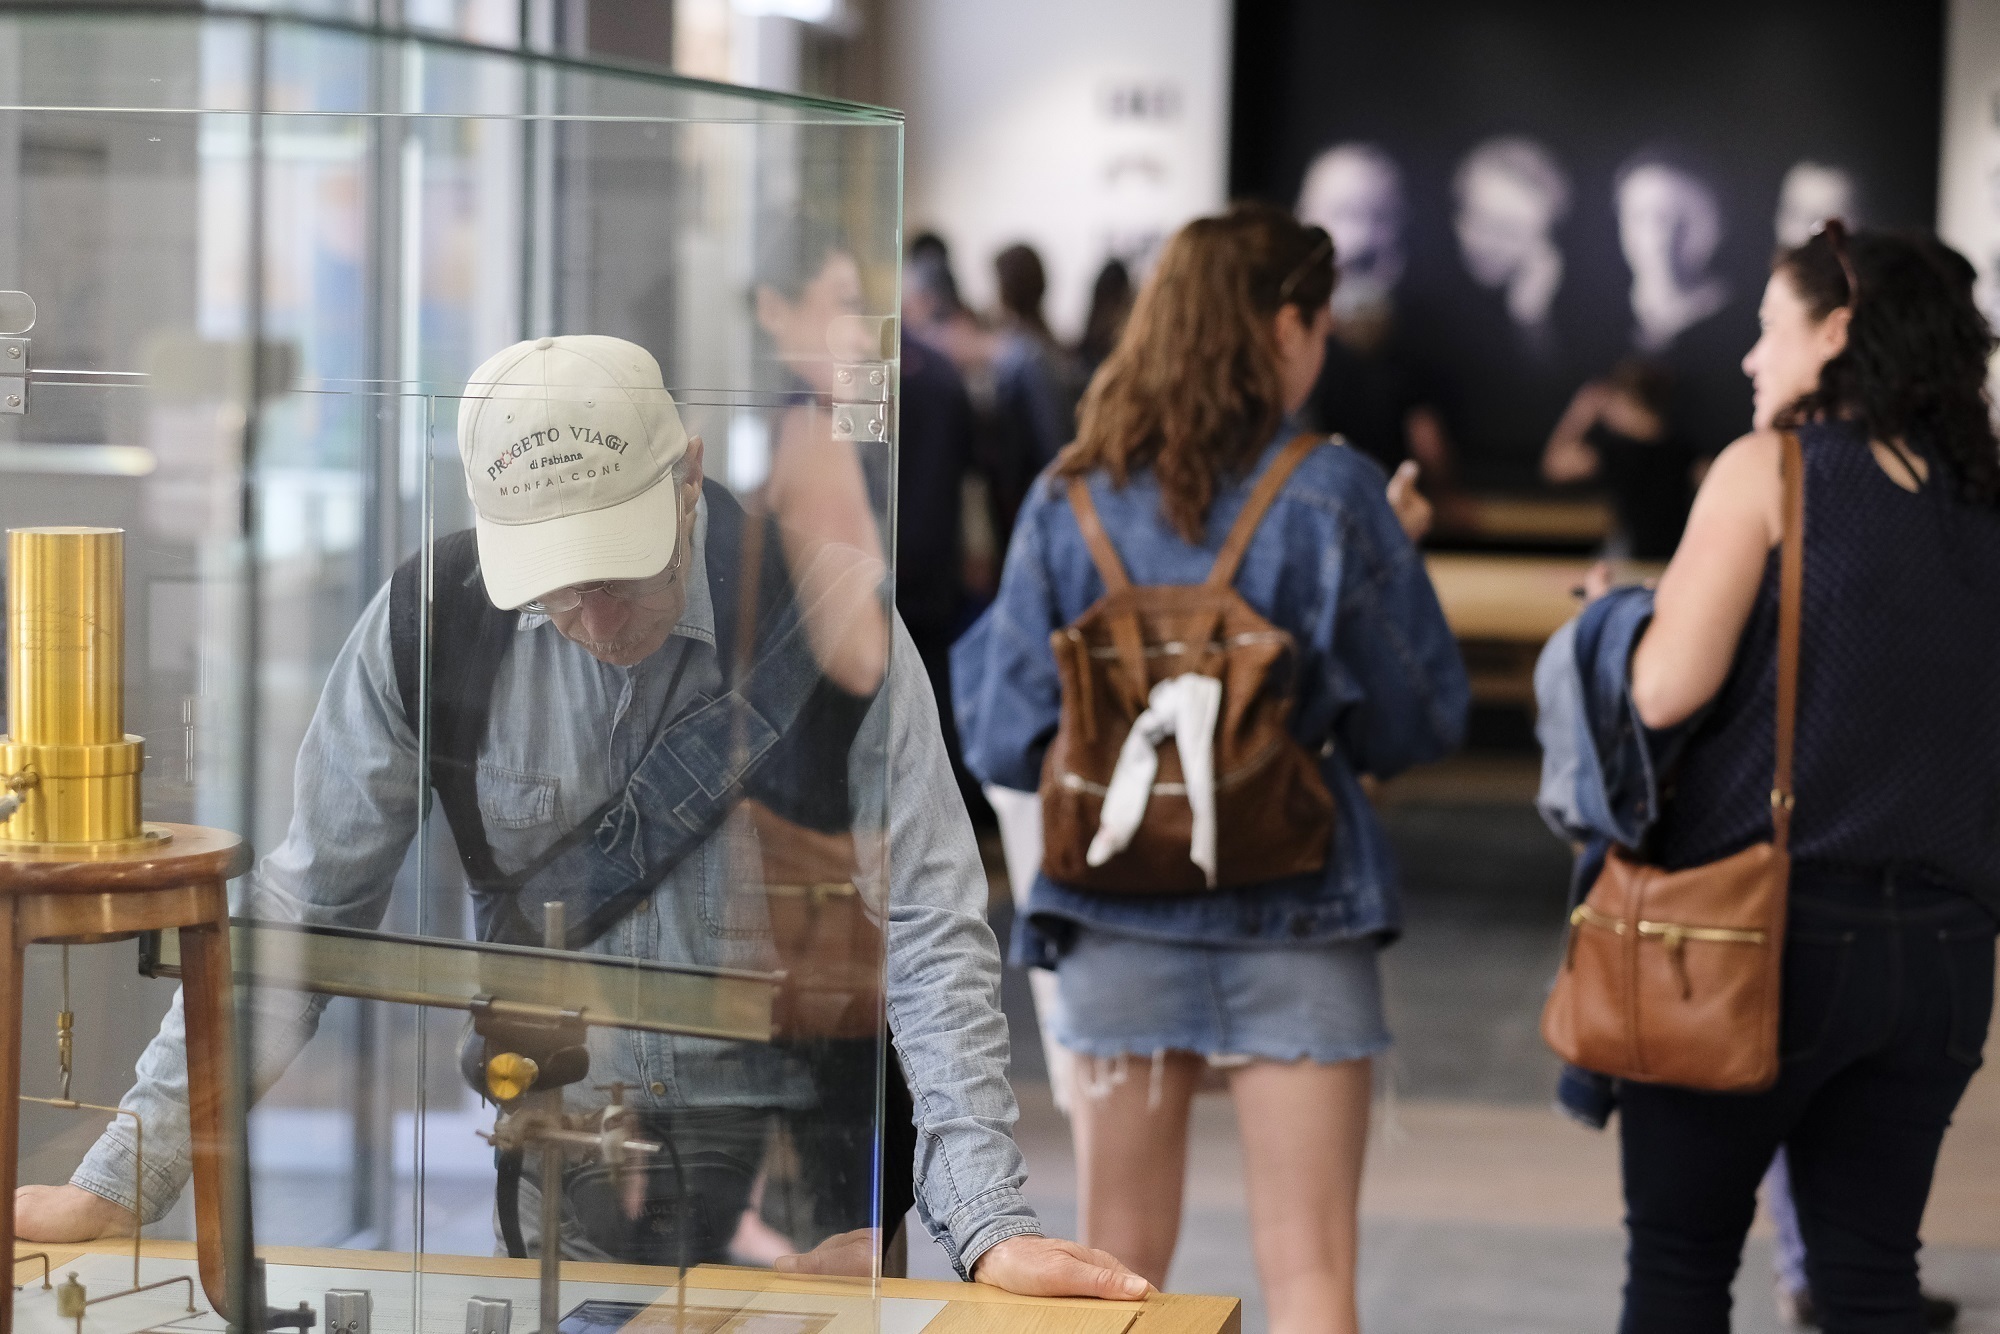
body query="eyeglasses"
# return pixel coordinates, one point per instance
(1321, 249)
(654, 593)
(1835, 232)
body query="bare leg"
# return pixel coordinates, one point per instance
(1305, 1131)
(1131, 1158)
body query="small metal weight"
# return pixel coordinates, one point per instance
(349, 1310)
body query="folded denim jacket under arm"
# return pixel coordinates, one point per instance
(542, 768)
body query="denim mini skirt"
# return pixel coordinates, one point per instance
(1127, 996)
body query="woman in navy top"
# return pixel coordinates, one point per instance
(1275, 983)
(1873, 351)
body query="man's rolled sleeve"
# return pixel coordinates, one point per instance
(944, 989)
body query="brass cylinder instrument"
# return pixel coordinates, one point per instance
(69, 772)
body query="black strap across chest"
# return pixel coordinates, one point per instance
(799, 772)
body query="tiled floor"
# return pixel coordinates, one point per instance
(1483, 1210)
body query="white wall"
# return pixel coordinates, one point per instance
(1021, 129)
(1969, 170)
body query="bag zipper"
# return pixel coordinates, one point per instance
(1178, 647)
(1671, 934)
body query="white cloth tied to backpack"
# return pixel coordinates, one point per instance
(1184, 708)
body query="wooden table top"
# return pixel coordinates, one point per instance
(192, 853)
(970, 1308)
(1529, 517)
(1515, 599)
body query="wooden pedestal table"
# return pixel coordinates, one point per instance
(54, 894)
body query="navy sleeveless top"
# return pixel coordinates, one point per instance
(1897, 760)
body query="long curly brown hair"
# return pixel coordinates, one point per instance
(1192, 388)
(1915, 365)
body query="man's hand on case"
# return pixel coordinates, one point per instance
(67, 1213)
(1052, 1267)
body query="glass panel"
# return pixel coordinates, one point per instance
(268, 258)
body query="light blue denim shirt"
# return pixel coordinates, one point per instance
(564, 732)
(1380, 682)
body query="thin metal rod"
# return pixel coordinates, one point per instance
(554, 932)
(65, 1028)
(551, 1257)
(138, 1161)
(43, 1256)
(136, 1289)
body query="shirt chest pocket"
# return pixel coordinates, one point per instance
(512, 799)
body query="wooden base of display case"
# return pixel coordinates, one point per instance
(716, 1299)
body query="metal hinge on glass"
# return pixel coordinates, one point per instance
(862, 348)
(17, 316)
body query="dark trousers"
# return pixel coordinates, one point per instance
(1888, 991)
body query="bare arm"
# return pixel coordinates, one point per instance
(821, 500)
(1568, 458)
(1708, 590)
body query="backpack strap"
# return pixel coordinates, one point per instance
(1261, 499)
(1126, 636)
(1094, 536)
(753, 609)
(461, 694)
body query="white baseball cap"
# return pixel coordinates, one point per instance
(568, 444)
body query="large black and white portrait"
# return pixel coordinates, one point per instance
(1510, 193)
(1811, 193)
(1539, 193)
(1670, 227)
(1355, 191)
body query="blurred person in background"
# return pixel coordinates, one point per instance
(1618, 431)
(1276, 984)
(1034, 387)
(934, 457)
(932, 303)
(1110, 307)
(1874, 353)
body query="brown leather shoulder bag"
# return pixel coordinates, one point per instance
(1673, 977)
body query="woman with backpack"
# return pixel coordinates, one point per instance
(1241, 629)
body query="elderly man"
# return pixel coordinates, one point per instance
(617, 724)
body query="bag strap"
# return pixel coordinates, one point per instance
(1791, 594)
(1094, 536)
(1261, 499)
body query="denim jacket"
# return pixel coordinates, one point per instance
(1599, 779)
(1379, 676)
(541, 769)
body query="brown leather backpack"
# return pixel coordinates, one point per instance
(1274, 815)
(1674, 977)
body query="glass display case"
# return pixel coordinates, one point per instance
(350, 337)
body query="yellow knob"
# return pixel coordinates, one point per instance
(509, 1075)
